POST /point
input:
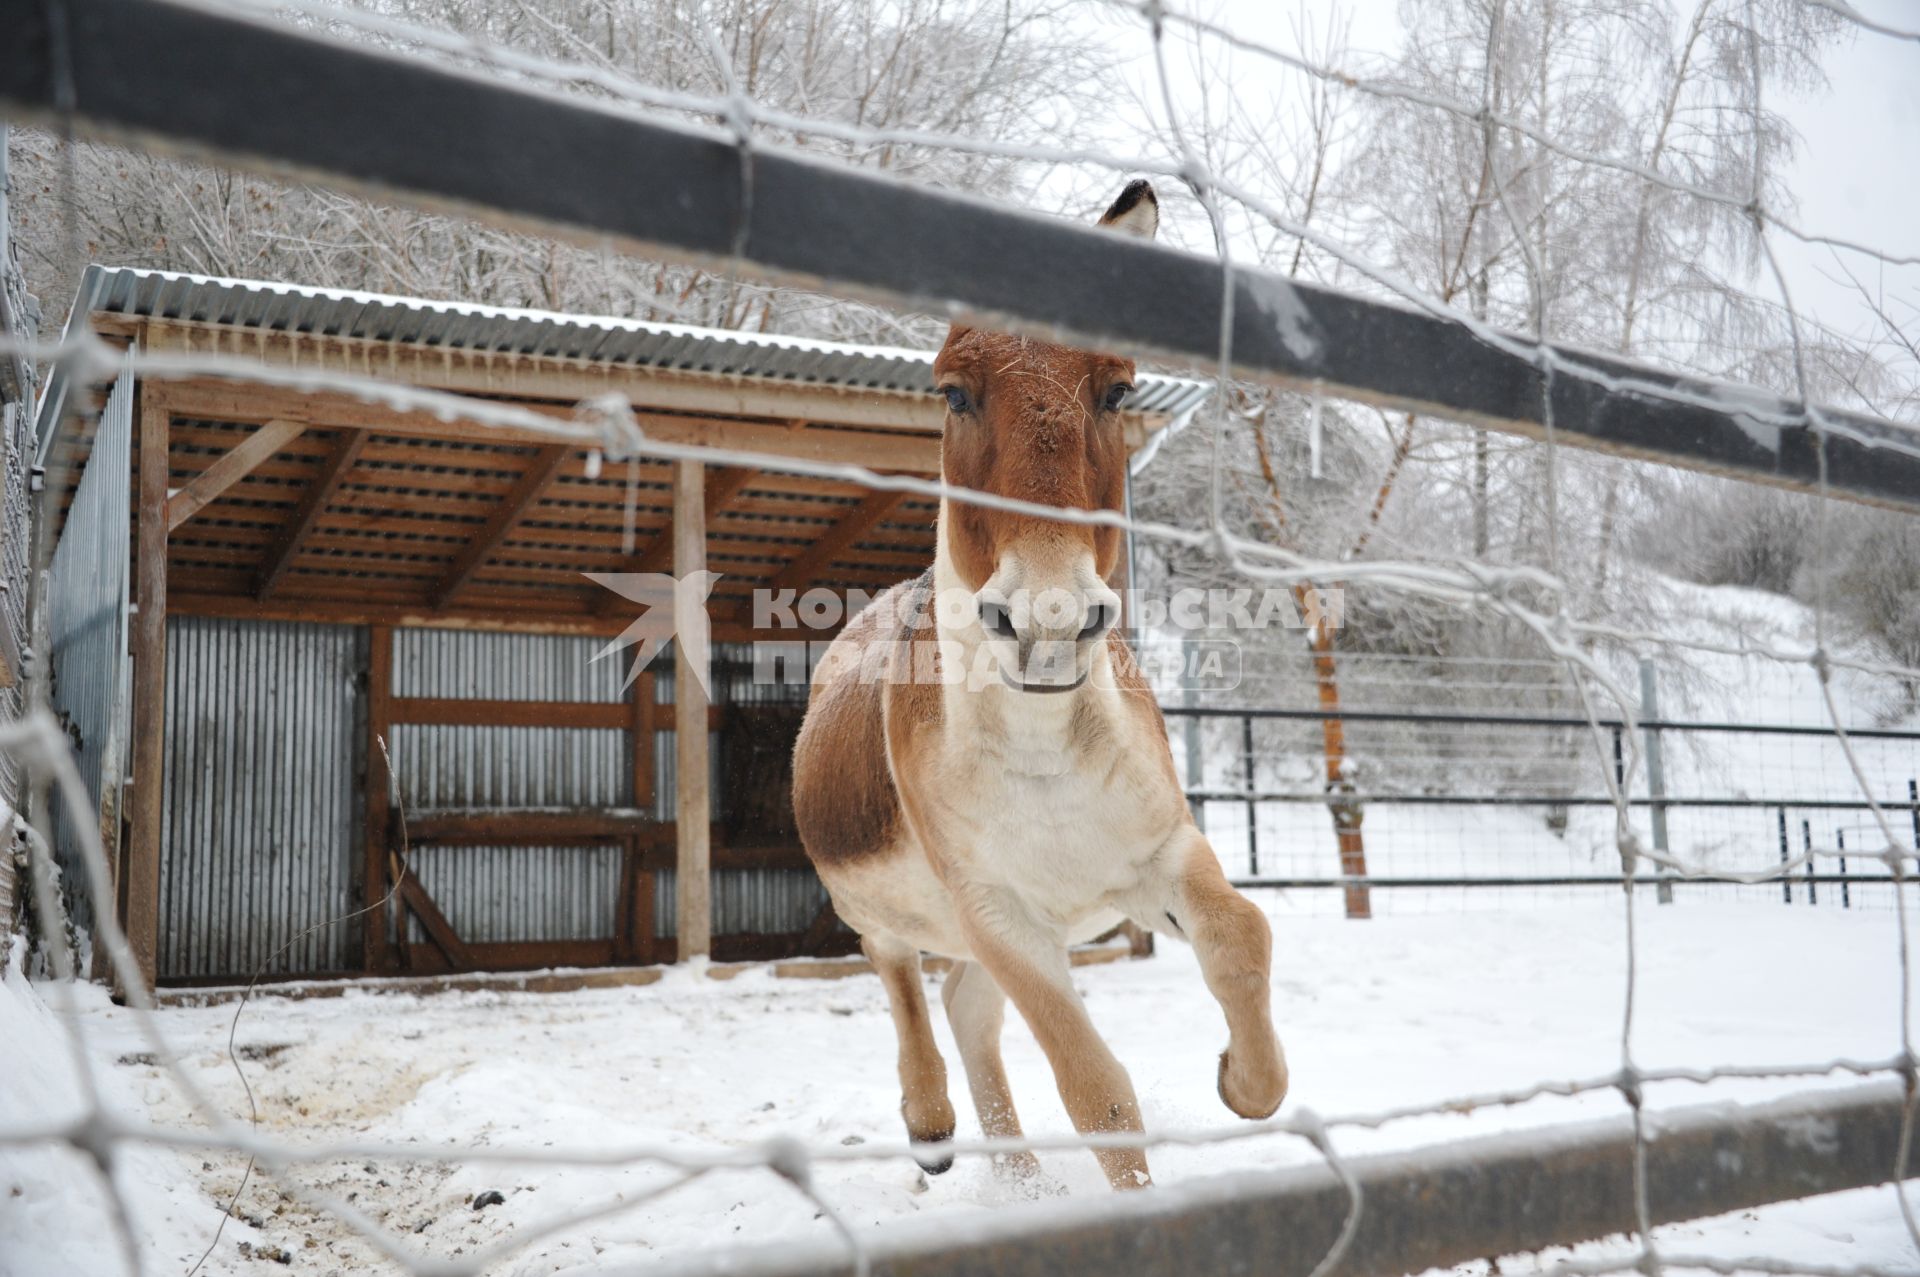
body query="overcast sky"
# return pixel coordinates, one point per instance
(1856, 176)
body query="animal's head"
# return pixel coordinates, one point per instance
(1041, 423)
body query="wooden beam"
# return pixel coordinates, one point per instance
(464, 712)
(729, 625)
(140, 884)
(634, 934)
(723, 484)
(853, 525)
(438, 929)
(524, 494)
(693, 913)
(511, 955)
(532, 827)
(313, 503)
(516, 375)
(236, 464)
(212, 399)
(641, 732)
(377, 952)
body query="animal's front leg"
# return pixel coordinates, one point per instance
(1031, 965)
(923, 1074)
(1187, 895)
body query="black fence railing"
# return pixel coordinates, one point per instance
(1456, 799)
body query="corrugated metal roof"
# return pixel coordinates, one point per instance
(504, 330)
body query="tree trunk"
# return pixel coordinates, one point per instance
(1347, 813)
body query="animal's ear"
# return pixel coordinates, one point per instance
(1136, 212)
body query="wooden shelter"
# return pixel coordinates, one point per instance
(360, 635)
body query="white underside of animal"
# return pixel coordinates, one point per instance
(1057, 804)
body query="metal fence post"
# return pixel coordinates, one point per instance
(1196, 773)
(1656, 774)
(1253, 822)
(1913, 804)
(1840, 840)
(1786, 883)
(1806, 840)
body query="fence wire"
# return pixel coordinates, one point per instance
(1536, 599)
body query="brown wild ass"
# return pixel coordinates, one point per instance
(999, 820)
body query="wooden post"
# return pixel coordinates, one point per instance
(146, 813)
(693, 888)
(377, 951)
(641, 734)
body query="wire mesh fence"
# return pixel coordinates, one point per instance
(1584, 746)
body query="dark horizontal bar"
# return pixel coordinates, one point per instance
(1902, 803)
(1570, 880)
(1424, 1208)
(264, 96)
(1527, 720)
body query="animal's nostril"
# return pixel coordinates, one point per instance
(1099, 620)
(997, 620)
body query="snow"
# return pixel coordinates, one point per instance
(1401, 1010)
(1424, 1003)
(1739, 685)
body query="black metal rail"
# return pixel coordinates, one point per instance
(1348, 805)
(265, 96)
(1539, 800)
(1422, 1209)
(1463, 718)
(1562, 880)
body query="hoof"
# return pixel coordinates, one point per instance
(934, 1161)
(1256, 1102)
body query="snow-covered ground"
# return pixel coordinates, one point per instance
(1400, 1010)
(1408, 1009)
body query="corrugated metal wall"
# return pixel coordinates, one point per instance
(87, 623)
(522, 893)
(16, 547)
(512, 893)
(265, 724)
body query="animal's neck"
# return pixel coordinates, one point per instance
(1032, 733)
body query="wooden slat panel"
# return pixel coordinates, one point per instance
(800, 573)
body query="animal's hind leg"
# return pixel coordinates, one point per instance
(976, 1009)
(923, 1074)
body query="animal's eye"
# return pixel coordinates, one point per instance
(1117, 395)
(957, 400)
